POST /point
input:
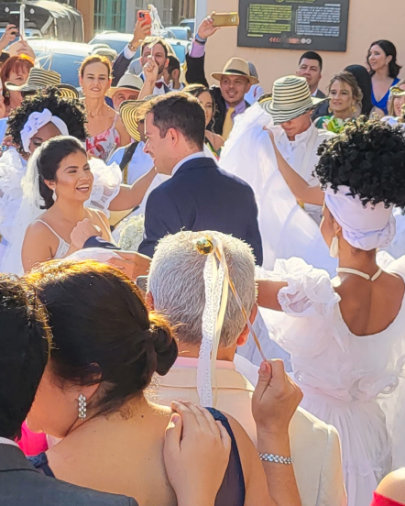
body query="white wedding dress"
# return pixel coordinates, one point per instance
(346, 379)
(17, 211)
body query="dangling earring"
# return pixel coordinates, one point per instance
(82, 406)
(54, 197)
(334, 247)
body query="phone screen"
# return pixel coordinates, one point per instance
(14, 19)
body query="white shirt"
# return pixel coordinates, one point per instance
(199, 154)
(302, 155)
(140, 163)
(6, 441)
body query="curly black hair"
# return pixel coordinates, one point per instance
(71, 111)
(368, 157)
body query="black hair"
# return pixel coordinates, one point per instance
(51, 154)
(390, 50)
(368, 157)
(24, 348)
(196, 90)
(311, 55)
(182, 112)
(363, 79)
(71, 111)
(174, 63)
(102, 330)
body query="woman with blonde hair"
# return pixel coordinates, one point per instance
(345, 101)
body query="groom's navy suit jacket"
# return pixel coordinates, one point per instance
(199, 196)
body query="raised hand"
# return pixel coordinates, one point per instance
(206, 28)
(141, 31)
(275, 399)
(9, 35)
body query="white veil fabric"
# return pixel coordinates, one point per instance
(106, 185)
(286, 229)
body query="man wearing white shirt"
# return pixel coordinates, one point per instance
(296, 137)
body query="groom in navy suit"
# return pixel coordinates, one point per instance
(198, 196)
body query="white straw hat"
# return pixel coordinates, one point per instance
(291, 97)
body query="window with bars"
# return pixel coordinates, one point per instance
(109, 15)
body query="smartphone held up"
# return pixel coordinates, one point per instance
(225, 19)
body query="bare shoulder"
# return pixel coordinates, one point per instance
(393, 486)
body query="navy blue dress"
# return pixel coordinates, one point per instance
(232, 490)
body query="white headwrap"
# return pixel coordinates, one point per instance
(364, 227)
(37, 120)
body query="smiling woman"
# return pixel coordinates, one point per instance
(60, 174)
(106, 130)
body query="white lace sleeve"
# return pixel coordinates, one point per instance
(107, 180)
(309, 291)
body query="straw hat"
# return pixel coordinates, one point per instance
(236, 67)
(291, 97)
(396, 91)
(130, 82)
(39, 78)
(129, 112)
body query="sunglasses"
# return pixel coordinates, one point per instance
(396, 91)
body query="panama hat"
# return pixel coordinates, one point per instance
(39, 78)
(130, 112)
(396, 91)
(291, 97)
(236, 67)
(130, 82)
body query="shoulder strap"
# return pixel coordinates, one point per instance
(51, 229)
(128, 154)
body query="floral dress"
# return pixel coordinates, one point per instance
(105, 143)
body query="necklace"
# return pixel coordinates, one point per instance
(360, 273)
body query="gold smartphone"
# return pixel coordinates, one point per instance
(225, 18)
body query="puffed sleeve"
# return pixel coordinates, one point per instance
(309, 291)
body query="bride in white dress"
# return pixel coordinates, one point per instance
(37, 120)
(346, 336)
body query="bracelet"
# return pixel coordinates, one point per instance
(277, 459)
(199, 39)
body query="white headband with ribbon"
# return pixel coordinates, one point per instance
(37, 120)
(364, 227)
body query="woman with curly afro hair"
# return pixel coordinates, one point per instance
(345, 335)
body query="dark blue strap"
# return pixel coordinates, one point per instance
(232, 490)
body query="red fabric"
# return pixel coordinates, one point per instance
(380, 500)
(31, 443)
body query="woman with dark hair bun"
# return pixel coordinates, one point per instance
(384, 70)
(346, 335)
(106, 347)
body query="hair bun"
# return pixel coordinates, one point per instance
(164, 344)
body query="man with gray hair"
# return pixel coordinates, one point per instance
(176, 287)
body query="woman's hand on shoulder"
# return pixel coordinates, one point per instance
(196, 453)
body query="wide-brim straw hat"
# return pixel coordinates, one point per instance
(236, 67)
(129, 113)
(39, 78)
(291, 97)
(130, 82)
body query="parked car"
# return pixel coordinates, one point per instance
(63, 57)
(118, 41)
(190, 22)
(181, 32)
